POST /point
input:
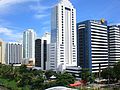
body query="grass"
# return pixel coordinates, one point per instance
(11, 84)
(8, 84)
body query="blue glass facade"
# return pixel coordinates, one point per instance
(92, 44)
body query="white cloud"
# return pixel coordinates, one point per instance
(45, 23)
(40, 16)
(6, 5)
(10, 34)
(5, 31)
(45, 29)
(12, 2)
(40, 10)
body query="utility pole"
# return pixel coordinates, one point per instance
(99, 71)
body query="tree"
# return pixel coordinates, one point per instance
(108, 73)
(116, 69)
(38, 84)
(112, 73)
(86, 75)
(65, 79)
(23, 69)
(49, 73)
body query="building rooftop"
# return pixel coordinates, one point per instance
(60, 88)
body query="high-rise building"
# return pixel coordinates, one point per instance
(13, 53)
(2, 52)
(29, 46)
(63, 35)
(92, 45)
(114, 44)
(38, 53)
(42, 51)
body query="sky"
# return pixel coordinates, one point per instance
(16, 16)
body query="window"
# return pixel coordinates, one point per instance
(73, 50)
(61, 58)
(74, 55)
(74, 60)
(52, 64)
(61, 61)
(61, 55)
(62, 47)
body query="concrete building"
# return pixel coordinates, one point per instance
(42, 51)
(2, 52)
(29, 47)
(63, 36)
(114, 44)
(75, 71)
(92, 45)
(13, 53)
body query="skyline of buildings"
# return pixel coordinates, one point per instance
(93, 45)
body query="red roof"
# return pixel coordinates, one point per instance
(75, 84)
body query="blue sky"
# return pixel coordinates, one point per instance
(18, 15)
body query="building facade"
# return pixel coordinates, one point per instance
(63, 35)
(52, 56)
(114, 44)
(29, 47)
(92, 45)
(75, 71)
(13, 53)
(2, 52)
(42, 51)
(38, 52)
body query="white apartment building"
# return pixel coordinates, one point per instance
(63, 36)
(114, 44)
(29, 46)
(13, 53)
